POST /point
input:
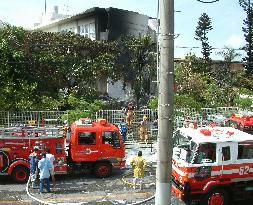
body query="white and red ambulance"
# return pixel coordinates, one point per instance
(213, 165)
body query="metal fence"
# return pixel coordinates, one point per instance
(54, 118)
(35, 118)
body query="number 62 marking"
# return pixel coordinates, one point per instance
(244, 170)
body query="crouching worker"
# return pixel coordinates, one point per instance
(44, 165)
(138, 164)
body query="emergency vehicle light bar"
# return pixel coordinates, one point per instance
(84, 122)
(206, 132)
(102, 121)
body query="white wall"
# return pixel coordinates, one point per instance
(115, 90)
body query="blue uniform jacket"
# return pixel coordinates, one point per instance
(44, 166)
(33, 159)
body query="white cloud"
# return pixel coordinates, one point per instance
(235, 41)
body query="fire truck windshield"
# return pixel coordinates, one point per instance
(205, 153)
(180, 139)
(184, 148)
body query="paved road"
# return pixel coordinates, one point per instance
(82, 188)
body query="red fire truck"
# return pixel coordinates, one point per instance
(241, 122)
(91, 145)
(213, 165)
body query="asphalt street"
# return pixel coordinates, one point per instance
(84, 189)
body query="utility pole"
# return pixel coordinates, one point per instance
(165, 104)
(45, 7)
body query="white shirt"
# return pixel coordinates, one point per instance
(51, 158)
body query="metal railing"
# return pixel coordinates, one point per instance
(55, 118)
(35, 118)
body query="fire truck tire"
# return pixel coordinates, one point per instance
(20, 174)
(103, 169)
(215, 197)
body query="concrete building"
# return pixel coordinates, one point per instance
(102, 24)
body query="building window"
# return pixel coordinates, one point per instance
(64, 30)
(71, 30)
(82, 30)
(92, 31)
(88, 31)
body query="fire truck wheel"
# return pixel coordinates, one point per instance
(20, 174)
(216, 197)
(103, 169)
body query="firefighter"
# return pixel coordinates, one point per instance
(130, 114)
(187, 121)
(123, 129)
(143, 133)
(65, 129)
(138, 164)
(33, 160)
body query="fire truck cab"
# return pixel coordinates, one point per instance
(213, 165)
(241, 122)
(97, 146)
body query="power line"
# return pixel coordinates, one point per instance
(207, 1)
(213, 48)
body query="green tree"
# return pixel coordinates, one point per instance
(244, 103)
(188, 82)
(248, 35)
(217, 96)
(222, 72)
(35, 66)
(202, 29)
(138, 64)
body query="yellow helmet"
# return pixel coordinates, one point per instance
(145, 117)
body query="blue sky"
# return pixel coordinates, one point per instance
(226, 15)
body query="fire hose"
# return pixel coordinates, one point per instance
(45, 202)
(131, 184)
(80, 203)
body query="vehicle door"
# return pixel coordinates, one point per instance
(111, 145)
(204, 163)
(86, 145)
(226, 158)
(245, 159)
